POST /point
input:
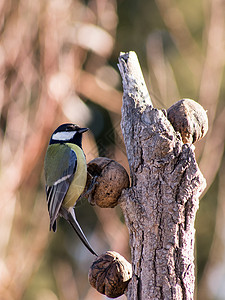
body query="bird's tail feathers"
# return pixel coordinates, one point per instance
(53, 226)
(69, 215)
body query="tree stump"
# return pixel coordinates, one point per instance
(160, 206)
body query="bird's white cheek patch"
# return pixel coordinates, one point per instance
(63, 136)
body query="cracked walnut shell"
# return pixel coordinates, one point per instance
(188, 118)
(110, 274)
(109, 178)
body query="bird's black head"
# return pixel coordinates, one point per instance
(67, 133)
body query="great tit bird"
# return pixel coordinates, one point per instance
(65, 174)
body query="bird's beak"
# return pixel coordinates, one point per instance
(82, 130)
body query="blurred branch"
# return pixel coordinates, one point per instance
(212, 283)
(65, 281)
(213, 65)
(163, 82)
(213, 150)
(99, 92)
(115, 231)
(210, 87)
(182, 37)
(43, 51)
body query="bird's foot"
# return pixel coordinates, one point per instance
(90, 188)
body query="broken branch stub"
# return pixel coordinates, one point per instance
(161, 204)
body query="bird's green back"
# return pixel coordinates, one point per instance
(56, 162)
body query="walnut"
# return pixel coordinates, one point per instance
(109, 178)
(190, 119)
(110, 274)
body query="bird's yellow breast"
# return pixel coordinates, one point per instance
(79, 181)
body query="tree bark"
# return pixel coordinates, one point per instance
(161, 204)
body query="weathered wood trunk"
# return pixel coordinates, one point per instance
(161, 204)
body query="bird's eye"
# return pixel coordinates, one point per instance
(70, 128)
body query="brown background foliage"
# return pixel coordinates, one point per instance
(58, 63)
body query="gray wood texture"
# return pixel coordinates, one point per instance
(160, 206)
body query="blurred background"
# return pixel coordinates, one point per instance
(58, 63)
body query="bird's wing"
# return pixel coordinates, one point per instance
(57, 184)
